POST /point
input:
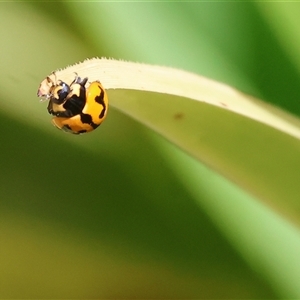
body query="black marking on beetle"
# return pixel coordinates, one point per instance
(60, 93)
(87, 119)
(67, 128)
(50, 108)
(74, 105)
(81, 131)
(80, 81)
(100, 99)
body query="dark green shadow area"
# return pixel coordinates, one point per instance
(45, 177)
(242, 35)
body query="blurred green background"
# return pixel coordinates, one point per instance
(119, 212)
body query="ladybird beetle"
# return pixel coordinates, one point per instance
(76, 109)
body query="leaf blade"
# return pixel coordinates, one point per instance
(251, 143)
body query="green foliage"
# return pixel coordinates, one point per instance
(120, 212)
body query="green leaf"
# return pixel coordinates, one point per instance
(253, 144)
(107, 214)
